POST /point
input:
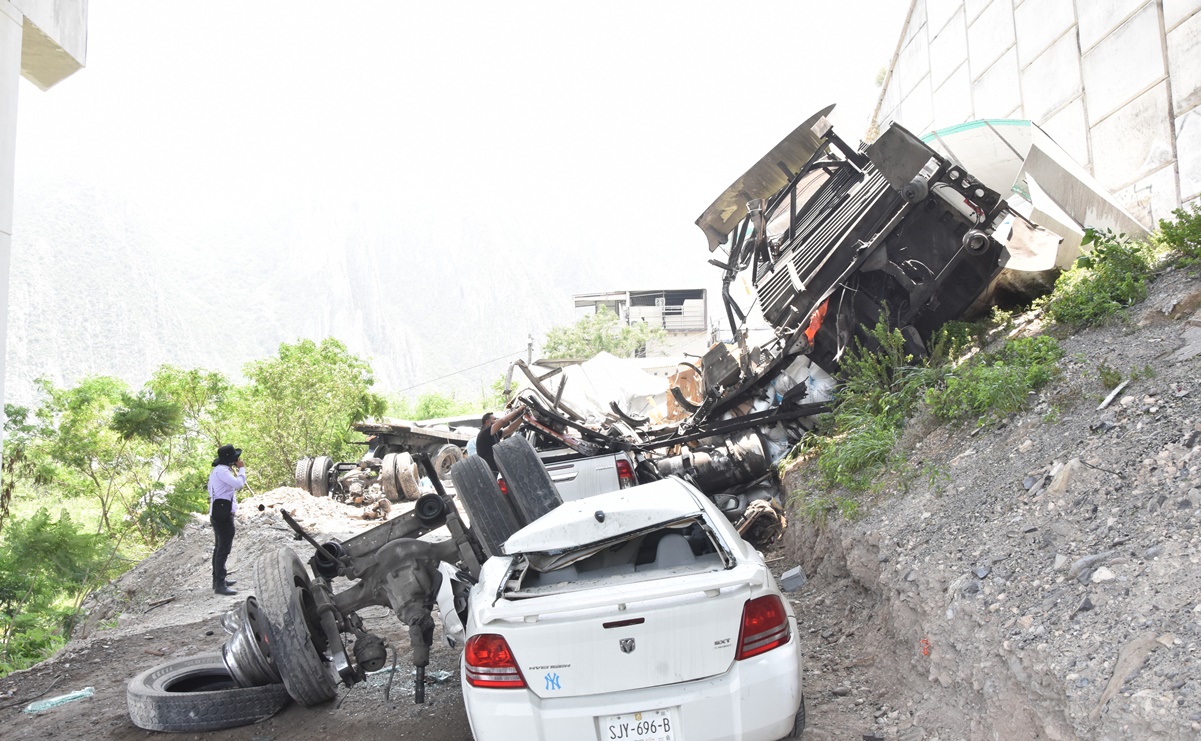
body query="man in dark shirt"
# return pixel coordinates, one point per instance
(493, 430)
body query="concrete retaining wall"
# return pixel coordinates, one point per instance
(1115, 82)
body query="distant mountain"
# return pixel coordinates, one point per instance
(102, 284)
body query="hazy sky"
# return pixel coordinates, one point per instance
(596, 126)
(533, 106)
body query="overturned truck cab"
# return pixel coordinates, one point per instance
(834, 237)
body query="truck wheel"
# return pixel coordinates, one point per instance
(447, 456)
(198, 694)
(387, 478)
(287, 607)
(529, 484)
(303, 467)
(492, 517)
(319, 476)
(406, 477)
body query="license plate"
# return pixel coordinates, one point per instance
(648, 725)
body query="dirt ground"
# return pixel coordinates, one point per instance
(1030, 578)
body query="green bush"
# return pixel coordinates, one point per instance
(1183, 236)
(1112, 276)
(878, 393)
(998, 383)
(44, 563)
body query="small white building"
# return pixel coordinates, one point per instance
(683, 314)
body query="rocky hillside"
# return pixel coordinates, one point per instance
(104, 284)
(1036, 577)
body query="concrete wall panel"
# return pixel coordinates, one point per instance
(917, 20)
(1135, 141)
(974, 8)
(1095, 74)
(1188, 153)
(916, 112)
(1069, 129)
(989, 35)
(953, 99)
(948, 50)
(1151, 198)
(913, 64)
(1125, 62)
(1099, 17)
(1184, 64)
(995, 94)
(1175, 11)
(1053, 79)
(938, 12)
(1038, 23)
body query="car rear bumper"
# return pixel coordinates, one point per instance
(756, 700)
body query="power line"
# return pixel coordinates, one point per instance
(461, 370)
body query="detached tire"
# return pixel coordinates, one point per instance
(406, 477)
(529, 483)
(446, 457)
(319, 476)
(303, 467)
(492, 517)
(387, 478)
(198, 694)
(287, 607)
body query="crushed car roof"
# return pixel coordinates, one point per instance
(578, 524)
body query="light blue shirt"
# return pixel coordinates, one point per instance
(224, 484)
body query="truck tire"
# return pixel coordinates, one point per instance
(198, 694)
(529, 484)
(387, 478)
(292, 625)
(447, 456)
(319, 476)
(406, 477)
(303, 467)
(492, 517)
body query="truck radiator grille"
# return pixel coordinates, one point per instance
(830, 227)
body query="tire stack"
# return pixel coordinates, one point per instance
(198, 694)
(399, 476)
(494, 515)
(312, 475)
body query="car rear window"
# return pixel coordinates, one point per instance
(686, 546)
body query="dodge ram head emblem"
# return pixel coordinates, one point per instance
(627, 645)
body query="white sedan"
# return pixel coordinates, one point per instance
(637, 615)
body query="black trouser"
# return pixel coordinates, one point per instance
(222, 519)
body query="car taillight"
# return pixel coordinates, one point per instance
(490, 663)
(504, 488)
(764, 627)
(625, 474)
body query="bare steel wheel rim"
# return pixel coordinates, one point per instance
(247, 652)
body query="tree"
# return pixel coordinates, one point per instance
(600, 332)
(301, 402)
(431, 406)
(20, 432)
(101, 441)
(42, 561)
